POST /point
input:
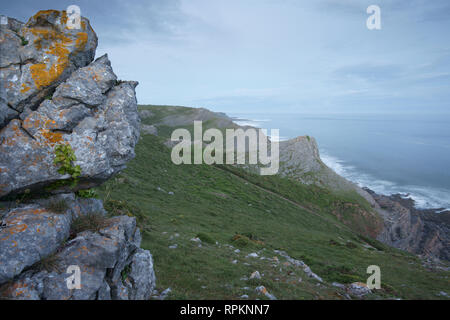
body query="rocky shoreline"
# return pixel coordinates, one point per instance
(425, 232)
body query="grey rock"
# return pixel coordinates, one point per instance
(49, 53)
(6, 113)
(102, 138)
(102, 259)
(12, 24)
(144, 114)
(56, 94)
(149, 129)
(30, 234)
(358, 289)
(420, 231)
(142, 275)
(301, 264)
(338, 285)
(87, 85)
(165, 294)
(104, 293)
(262, 290)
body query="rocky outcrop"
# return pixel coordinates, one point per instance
(38, 56)
(85, 107)
(149, 129)
(37, 247)
(66, 124)
(422, 232)
(300, 159)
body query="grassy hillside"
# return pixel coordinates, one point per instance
(226, 206)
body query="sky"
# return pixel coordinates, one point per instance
(267, 56)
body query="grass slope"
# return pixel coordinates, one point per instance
(216, 205)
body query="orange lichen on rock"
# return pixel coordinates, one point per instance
(25, 88)
(82, 38)
(57, 43)
(42, 13)
(63, 19)
(52, 137)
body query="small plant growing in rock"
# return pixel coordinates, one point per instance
(48, 263)
(64, 158)
(125, 272)
(58, 206)
(24, 42)
(88, 193)
(88, 222)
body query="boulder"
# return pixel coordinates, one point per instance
(29, 234)
(96, 117)
(149, 129)
(55, 94)
(66, 123)
(111, 263)
(358, 289)
(39, 55)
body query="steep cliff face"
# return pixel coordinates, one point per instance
(300, 159)
(404, 227)
(66, 124)
(423, 232)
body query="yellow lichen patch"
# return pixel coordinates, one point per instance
(44, 13)
(81, 41)
(52, 137)
(63, 19)
(25, 88)
(43, 77)
(45, 127)
(57, 43)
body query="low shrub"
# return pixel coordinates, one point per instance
(88, 222)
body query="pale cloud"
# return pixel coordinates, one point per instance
(268, 55)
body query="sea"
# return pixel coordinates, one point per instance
(406, 154)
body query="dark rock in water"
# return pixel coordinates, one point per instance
(421, 231)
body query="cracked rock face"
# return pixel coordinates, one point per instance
(53, 94)
(111, 263)
(39, 55)
(84, 106)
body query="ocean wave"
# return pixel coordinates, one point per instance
(424, 197)
(257, 123)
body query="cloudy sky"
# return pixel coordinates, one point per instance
(267, 56)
